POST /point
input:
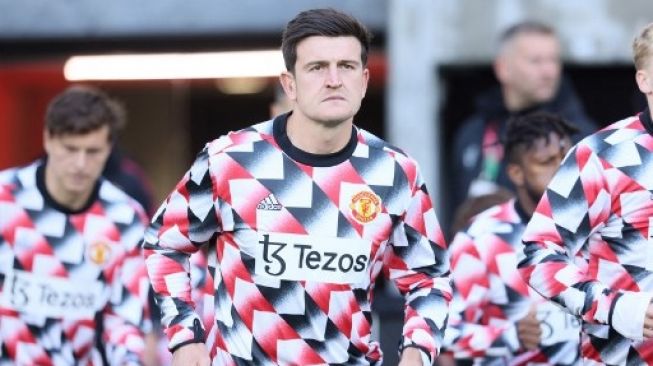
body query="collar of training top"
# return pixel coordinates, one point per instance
(645, 117)
(310, 159)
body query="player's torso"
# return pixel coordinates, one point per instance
(620, 252)
(55, 268)
(497, 238)
(302, 245)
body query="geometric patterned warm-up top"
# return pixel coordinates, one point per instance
(598, 211)
(297, 241)
(490, 297)
(65, 276)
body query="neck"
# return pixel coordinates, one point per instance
(513, 102)
(318, 138)
(525, 201)
(67, 199)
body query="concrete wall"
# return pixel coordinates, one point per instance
(465, 30)
(92, 18)
(593, 31)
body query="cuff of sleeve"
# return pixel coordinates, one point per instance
(194, 334)
(629, 312)
(426, 359)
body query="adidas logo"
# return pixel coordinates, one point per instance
(269, 203)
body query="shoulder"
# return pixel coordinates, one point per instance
(615, 135)
(19, 176)
(488, 221)
(371, 146)
(235, 139)
(374, 142)
(8, 176)
(117, 202)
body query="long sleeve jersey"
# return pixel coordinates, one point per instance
(299, 240)
(599, 207)
(490, 297)
(70, 280)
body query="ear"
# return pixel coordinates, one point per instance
(644, 81)
(46, 140)
(500, 68)
(366, 79)
(287, 80)
(515, 174)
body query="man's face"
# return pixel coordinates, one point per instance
(75, 162)
(539, 163)
(329, 81)
(531, 68)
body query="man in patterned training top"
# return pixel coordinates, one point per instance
(589, 245)
(304, 212)
(495, 318)
(70, 246)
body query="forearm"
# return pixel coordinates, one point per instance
(124, 342)
(171, 285)
(472, 340)
(426, 316)
(548, 270)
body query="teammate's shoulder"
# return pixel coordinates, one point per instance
(493, 219)
(248, 135)
(622, 131)
(114, 195)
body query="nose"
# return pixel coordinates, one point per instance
(81, 159)
(333, 77)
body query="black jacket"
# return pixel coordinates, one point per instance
(467, 150)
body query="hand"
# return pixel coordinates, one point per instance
(648, 322)
(446, 359)
(193, 354)
(528, 330)
(411, 356)
(151, 356)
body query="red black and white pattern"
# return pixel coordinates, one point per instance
(588, 246)
(273, 223)
(490, 297)
(201, 280)
(67, 254)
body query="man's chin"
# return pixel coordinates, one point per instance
(546, 95)
(79, 189)
(334, 119)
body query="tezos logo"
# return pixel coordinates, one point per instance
(296, 257)
(365, 206)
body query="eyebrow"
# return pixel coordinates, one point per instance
(339, 62)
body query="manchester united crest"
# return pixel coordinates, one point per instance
(365, 206)
(99, 252)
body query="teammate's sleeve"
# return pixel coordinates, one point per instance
(418, 264)
(186, 220)
(577, 204)
(472, 304)
(126, 318)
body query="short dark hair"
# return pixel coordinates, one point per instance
(82, 109)
(321, 22)
(524, 27)
(523, 131)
